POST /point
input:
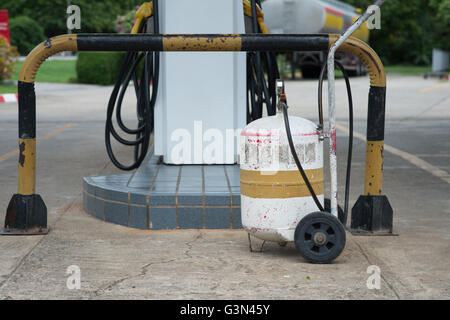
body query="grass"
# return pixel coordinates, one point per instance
(63, 71)
(56, 71)
(404, 70)
(408, 70)
(8, 88)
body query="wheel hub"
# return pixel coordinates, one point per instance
(320, 238)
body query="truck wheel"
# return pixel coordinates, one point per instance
(352, 73)
(320, 237)
(310, 72)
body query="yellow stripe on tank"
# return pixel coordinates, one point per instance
(280, 184)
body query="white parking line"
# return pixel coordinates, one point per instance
(422, 164)
(49, 135)
(435, 86)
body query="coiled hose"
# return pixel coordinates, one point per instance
(262, 72)
(143, 69)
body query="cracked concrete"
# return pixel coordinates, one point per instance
(117, 262)
(122, 263)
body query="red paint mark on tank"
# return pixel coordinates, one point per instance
(256, 134)
(254, 229)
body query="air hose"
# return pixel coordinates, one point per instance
(284, 107)
(143, 69)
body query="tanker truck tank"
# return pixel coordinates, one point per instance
(314, 16)
(294, 17)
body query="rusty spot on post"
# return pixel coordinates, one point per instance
(21, 153)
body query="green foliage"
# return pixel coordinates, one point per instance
(101, 68)
(124, 23)
(25, 34)
(96, 16)
(409, 29)
(442, 35)
(8, 56)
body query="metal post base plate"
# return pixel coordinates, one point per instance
(26, 215)
(372, 216)
(27, 232)
(363, 233)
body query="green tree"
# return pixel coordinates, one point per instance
(409, 29)
(96, 16)
(25, 34)
(442, 33)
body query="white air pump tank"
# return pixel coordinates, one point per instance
(274, 196)
(277, 204)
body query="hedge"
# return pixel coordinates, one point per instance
(25, 34)
(101, 68)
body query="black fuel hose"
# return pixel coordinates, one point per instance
(143, 69)
(262, 72)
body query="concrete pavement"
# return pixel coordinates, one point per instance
(123, 263)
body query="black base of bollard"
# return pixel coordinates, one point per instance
(372, 216)
(26, 215)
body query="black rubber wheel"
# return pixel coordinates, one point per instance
(341, 215)
(320, 237)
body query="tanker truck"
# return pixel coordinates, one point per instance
(315, 16)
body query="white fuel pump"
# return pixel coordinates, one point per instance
(200, 94)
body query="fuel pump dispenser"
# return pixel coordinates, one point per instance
(245, 87)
